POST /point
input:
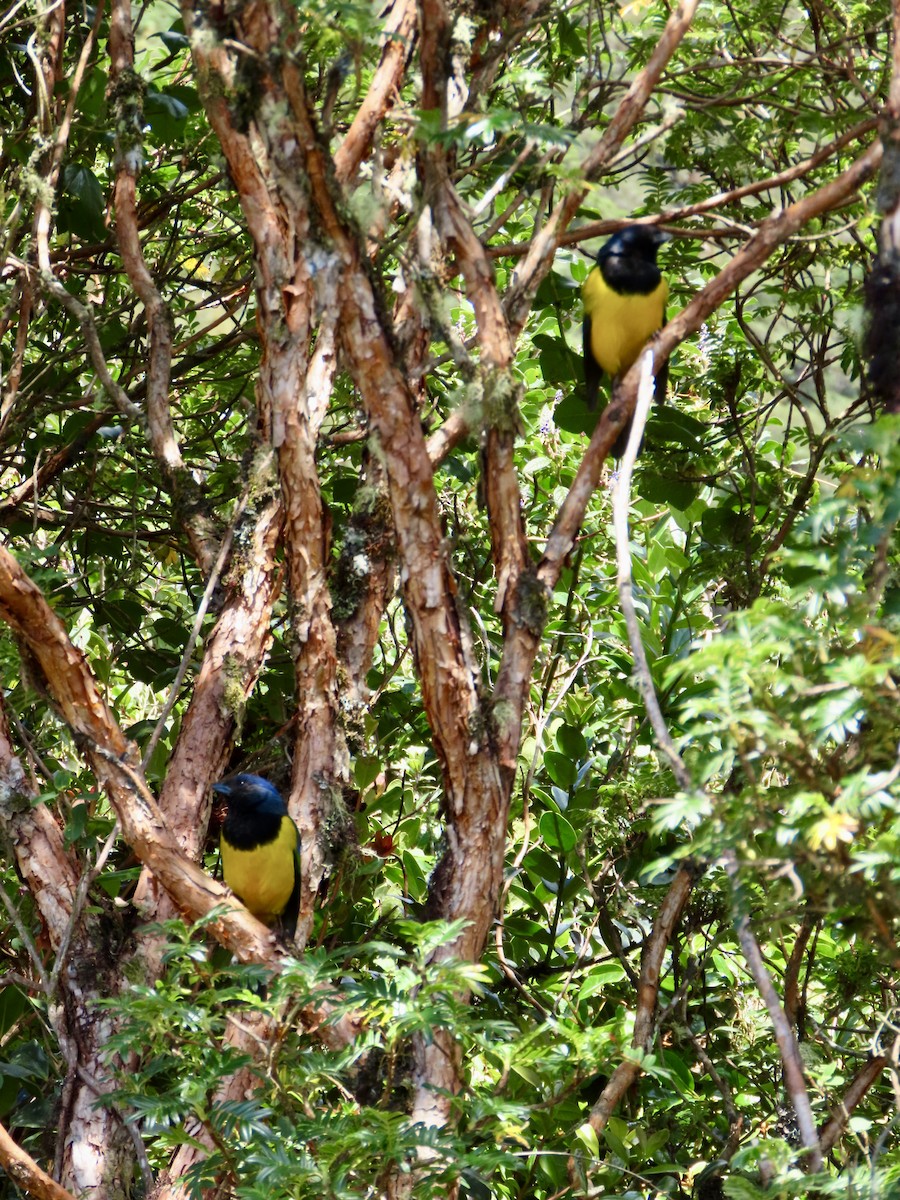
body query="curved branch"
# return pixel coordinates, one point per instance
(647, 994)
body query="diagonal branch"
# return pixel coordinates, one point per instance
(652, 959)
(26, 1174)
(832, 1130)
(538, 260)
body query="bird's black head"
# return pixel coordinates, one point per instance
(251, 794)
(634, 241)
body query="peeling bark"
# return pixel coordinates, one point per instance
(291, 399)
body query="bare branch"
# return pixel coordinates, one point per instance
(784, 1034)
(792, 969)
(833, 1129)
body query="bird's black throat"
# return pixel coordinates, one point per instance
(247, 830)
(629, 275)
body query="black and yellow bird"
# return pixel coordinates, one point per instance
(260, 849)
(624, 305)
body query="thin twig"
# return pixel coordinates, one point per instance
(27, 941)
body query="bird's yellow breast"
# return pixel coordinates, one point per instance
(263, 878)
(621, 322)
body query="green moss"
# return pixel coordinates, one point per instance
(532, 599)
(369, 536)
(501, 394)
(234, 699)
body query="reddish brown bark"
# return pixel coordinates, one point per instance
(26, 1174)
(832, 1131)
(290, 415)
(232, 660)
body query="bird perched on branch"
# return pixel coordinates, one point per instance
(624, 305)
(260, 849)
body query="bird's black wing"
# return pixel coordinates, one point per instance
(593, 373)
(287, 921)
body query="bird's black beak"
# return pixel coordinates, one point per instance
(222, 789)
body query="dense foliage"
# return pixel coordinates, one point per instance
(765, 576)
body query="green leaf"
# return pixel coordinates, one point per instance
(572, 413)
(736, 1188)
(571, 742)
(557, 833)
(13, 1003)
(166, 115)
(588, 1139)
(81, 203)
(561, 768)
(599, 977)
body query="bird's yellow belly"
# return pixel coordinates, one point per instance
(262, 878)
(621, 324)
